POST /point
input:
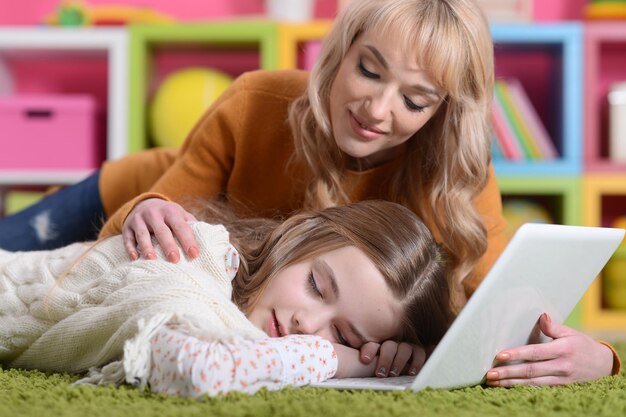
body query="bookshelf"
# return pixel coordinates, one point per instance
(605, 60)
(30, 51)
(546, 59)
(155, 51)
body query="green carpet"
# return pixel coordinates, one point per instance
(35, 394)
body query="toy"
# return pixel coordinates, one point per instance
(519, 211)
(77, 13)
(606, 9)
(180, 101)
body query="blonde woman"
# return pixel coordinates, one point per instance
(396, 108)
(306, 295)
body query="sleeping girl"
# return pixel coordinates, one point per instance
(333, 293)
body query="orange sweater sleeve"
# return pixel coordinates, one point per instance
(201, 168)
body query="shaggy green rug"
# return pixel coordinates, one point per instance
(35, 394)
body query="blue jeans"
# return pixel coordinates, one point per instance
(72, 214)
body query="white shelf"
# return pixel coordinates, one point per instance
(41, 177)
(111, 41)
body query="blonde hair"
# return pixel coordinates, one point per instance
(391, 235)
(447, 160)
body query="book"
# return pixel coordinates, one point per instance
(535, 127)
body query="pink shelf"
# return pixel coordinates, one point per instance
(605, 60)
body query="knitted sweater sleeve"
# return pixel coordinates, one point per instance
(187, 366)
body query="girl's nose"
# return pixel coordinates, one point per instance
(311, 322)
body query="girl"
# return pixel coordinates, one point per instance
(306, 295)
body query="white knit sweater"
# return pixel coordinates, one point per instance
(107, 307)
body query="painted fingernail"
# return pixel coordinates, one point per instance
(492, 375)
(150, 255)
(134, 256)
(394, 372)
(381, 372)
(503, 356)
(412, 371)
(172, 256)
(192, 251)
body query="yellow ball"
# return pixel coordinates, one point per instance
(518, 211)
(180, 101)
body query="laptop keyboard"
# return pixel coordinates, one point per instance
(384, 384)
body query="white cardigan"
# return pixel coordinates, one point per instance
(106, 308)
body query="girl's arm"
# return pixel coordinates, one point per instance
(187, 366)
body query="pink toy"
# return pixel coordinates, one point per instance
(42, 132)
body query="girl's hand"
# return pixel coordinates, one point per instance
(349, 365)
(394, 358)
(166, 220)
(571, 357)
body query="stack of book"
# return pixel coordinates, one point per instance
(519, 132)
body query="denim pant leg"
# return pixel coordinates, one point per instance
(72, 214)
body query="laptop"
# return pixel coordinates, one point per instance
(544, 268)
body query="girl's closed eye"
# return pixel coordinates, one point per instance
(312, 287)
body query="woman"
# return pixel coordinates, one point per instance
(308, 294)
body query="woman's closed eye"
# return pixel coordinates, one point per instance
(367, 73)
(412, 106)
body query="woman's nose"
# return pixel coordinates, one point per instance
(378, 105)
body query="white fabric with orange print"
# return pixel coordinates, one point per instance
(187, 366)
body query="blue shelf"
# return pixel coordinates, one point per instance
(563, 42)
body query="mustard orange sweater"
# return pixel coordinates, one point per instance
(241, 148)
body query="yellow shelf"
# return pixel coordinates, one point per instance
(290, 36)
(594, 188)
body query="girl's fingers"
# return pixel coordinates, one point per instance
(402, 357)
(385, 358)
(368, 352)
(417, 360)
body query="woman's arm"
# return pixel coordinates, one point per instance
(187, 366)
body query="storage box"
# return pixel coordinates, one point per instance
(43, 132)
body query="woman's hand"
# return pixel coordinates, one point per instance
(394, 358)
(571, 357)
(167, 221)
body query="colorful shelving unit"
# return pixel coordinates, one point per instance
(546, 58)
(233, 47)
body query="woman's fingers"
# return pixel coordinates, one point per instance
(168, 222)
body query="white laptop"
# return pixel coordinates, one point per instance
(544, 268)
